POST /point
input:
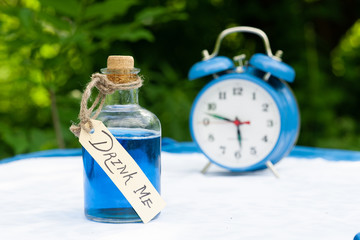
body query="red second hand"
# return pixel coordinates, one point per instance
(237, 122)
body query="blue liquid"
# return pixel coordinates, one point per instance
(103, 200)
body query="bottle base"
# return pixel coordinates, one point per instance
(113, 215)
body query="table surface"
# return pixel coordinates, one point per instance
(314, 198)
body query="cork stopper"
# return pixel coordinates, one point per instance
(120, 69)
(120, 62)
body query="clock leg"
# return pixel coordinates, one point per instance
(204, 170)
(272, 168)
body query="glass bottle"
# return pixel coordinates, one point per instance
(138, 131)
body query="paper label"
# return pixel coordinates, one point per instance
(122, 170)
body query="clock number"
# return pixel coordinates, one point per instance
(222, 95)
(206, 121)
(265, 107)
(253, 96)
(237, 155)
(211, 106)
(253, 151)
(223, 148)
(269, 123)
(265, 138)
(211, 138)
(237, 91)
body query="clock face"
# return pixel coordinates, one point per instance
(236, 123)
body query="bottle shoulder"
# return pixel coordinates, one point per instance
(129, 117)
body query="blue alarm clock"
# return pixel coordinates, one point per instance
(247, 117)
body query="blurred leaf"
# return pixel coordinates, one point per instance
(108, 9)
(56, 22)
(26, 17)
(17, 140)
(151, 15)
(68, 7)
(41, 139)
(124, 32)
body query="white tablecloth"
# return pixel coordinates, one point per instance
(42, 198)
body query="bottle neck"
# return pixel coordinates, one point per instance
(123, 97)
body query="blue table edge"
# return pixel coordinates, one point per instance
(171, 146)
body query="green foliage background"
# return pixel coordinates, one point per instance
(49, 48)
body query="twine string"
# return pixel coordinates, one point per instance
(105, 87)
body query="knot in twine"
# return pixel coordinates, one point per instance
(105, 87)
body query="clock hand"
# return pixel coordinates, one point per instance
(220, 117)
(238, 134)
(237, 122)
